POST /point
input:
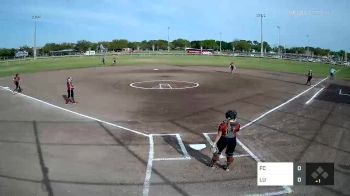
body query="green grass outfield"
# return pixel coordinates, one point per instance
(276, 65)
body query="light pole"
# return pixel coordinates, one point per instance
(168, 40)
(279, 40)
(261, 33)
(35, 18)
(220, 41)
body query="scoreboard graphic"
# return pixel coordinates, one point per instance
(289, 174)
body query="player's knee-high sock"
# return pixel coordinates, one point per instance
(229, 161)
(214, 160)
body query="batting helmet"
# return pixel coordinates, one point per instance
(231, 114)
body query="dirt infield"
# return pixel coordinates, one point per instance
(120, 140)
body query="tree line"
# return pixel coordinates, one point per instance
(178, 44)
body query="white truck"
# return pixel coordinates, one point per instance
(90, 52)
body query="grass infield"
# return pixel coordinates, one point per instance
(276, 65)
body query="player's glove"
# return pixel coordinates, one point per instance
(214, 149)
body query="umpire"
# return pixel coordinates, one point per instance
(226, 138)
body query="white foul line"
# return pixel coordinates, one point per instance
(340, 93)
(206, 135)
(281, 105)
(146, 183)
(79, 114)
(172, 159)
(318, 92)
(182, 146)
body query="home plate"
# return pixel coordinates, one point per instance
(155, 69)
(198, 146)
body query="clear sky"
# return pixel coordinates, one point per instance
(319, 23)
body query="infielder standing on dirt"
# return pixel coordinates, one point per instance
(16, 80)
(309, 77)
(226, 138)
(332, 73)
(232, 67)
(70, 91)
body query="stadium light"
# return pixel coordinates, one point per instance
(35, 18)
(261, 16)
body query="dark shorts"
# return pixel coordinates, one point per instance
(228, 143)
(309, 78)
(17, 84)
(70, 93)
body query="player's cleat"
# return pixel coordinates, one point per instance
(226, 168)
(212, 165)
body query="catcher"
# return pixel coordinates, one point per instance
(226, 138)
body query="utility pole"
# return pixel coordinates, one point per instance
(279, 40)
(261, 16)
(35, 18)
(168, 40)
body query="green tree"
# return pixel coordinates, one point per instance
(118, 44)
(83, 45)
(7, 53)
(210, 44)
(267, 47)
(196, 44)
(242, 45)
(161, 44)
(180, 44)
(146, 45)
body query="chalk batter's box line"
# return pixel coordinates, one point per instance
(206, 135)
(185, 156)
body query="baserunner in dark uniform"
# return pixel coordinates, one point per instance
(226, 138)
